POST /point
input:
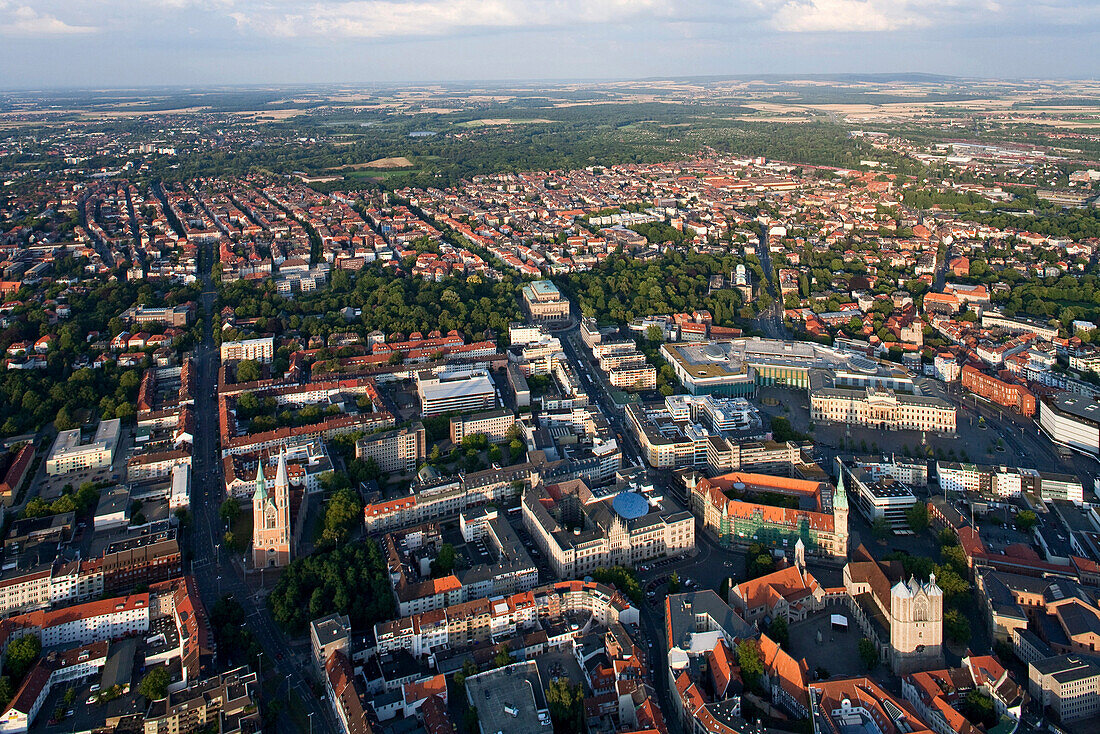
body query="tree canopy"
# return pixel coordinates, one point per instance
(347, 579)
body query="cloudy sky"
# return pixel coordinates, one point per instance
(111, 43)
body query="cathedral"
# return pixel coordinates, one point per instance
(271, 529)
(903, 618)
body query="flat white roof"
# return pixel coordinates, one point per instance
(448, 389)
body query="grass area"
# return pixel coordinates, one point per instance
(242, 527)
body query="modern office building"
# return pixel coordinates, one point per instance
(495, 424)
(1068, 685)
(1073, 421)
(455, 392)
(693, 430)
(843, 386)
(877, 495)
(69, 455)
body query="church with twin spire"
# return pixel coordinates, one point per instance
(271, 530)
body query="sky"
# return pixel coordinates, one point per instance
(128, 43)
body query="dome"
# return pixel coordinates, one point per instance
(714, 352)
(630, 505)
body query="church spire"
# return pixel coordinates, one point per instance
(281, 481)
(261, 483)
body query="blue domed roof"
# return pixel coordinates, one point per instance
(630, 505)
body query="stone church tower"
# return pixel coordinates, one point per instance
(840, 519)
(271, 518)
(916, 626)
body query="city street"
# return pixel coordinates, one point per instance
(216, 573)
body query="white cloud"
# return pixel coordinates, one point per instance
(392, 18)
(23, 20)
(801, 16)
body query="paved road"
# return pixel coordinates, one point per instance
(770, 321)
(216, 571)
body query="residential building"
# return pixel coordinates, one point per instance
(1002, 392)
(397, 451)
(228, 702)
(260, 349)
(939, 695)
(495, 424)
(328, 635)
(1008, 481)
(69, 455)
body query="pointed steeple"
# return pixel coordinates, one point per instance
(840, 497)
(261, 483)
(281, 481)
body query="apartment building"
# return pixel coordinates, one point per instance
(495, 424)
(1002, 392)
(410, 552)
(1008, 481)
(476, 621)
(449, 496)
(260, 349)
(328, 635)
(642, 377)
(228, 703)
(394, 451)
